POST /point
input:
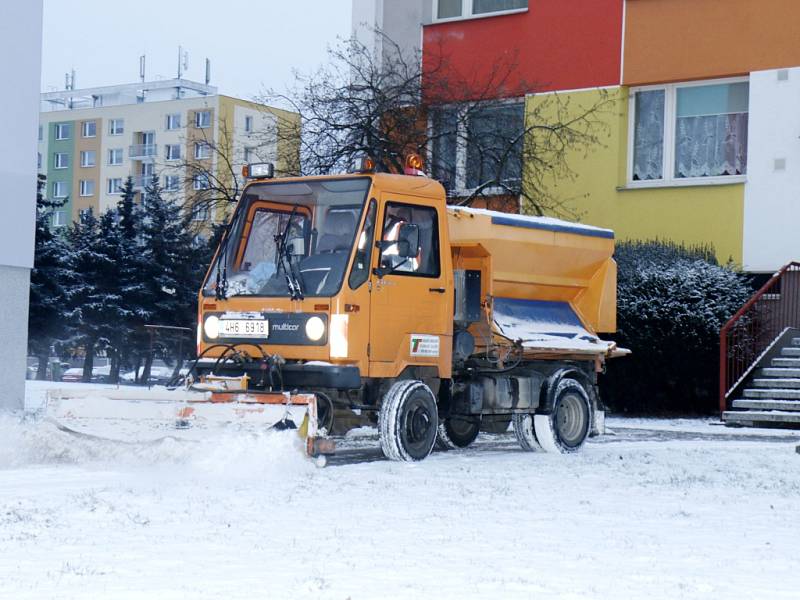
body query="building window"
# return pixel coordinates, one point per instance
(38, 160)
(62, 131)
(689, 132)
(202, 150)
(114, 185)
(41, 133)
(116, 127)
(58, 218)
(202, 119)
(200, 212)
(61, 160)
(465, 9)
(115, 156)
(173, 152)
(248, 124)
(201, 182)
(171, 183)
(85, 213)
(89, 129)
(174, 121)
(59, 189)
(479, 147)
(249, 154)
(88, 158)
(87, 187)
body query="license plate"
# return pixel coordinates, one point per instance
(244, 328)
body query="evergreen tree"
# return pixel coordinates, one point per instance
(168, 265)
(47, 319)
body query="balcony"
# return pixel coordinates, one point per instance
(142, 151)
(140, 182)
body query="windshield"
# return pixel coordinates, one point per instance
(291, 239)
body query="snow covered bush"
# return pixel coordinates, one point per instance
(672, 303)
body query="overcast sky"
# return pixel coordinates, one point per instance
(252, 44)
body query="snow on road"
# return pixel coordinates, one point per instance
(691, 511)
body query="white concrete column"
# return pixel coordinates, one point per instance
(20, 79)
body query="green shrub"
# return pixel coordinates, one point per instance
(672, 302)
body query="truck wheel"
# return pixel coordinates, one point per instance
(569, 423)
(523, 429)
(457, 432)
(408, 421)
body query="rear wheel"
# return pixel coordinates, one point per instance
(408, 421)
(457, 432)
(569, 423)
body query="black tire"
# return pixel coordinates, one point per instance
(496, 424)
(524, 432)
(457, 432)
(569, 421)
(408, 421)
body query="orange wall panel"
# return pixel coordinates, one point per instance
(678, 40)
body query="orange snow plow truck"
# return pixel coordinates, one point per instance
(365, 296)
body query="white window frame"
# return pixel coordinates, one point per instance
(85, 164)
(112, 126)
(57, 161)
(41, 133)
(248, 124)
(172, 126)
(114, 186)
(168, 187)
(466, 12)
(670, 127)
(58, 218)
(462, 145)
(198, 121)
(84, 185)
(111, 154)
(200, 213)
(56, 194)
(85, 127)
(196, 182)
(59, 128)
(168, 154)
(198, 154)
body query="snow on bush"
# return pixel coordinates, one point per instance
(672, 303)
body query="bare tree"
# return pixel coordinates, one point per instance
(484, 137)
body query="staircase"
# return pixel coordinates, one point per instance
(772, 394)
(760, 356)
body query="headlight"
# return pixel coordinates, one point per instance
(315, 329)
(211, 327)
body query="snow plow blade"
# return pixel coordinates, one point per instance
(149, 415)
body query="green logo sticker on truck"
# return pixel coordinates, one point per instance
(424, 345)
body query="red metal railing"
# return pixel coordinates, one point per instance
(753, 328)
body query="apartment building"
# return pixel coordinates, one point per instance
(700, 144)
(183, 132)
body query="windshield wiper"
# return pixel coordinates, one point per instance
(292, 279)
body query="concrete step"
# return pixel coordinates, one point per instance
(772, 394)
(776, 382)
(790, 351)
(781, 372)
(749, 417)
(786, 362)
(787, 405)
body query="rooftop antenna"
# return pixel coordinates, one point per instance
(183, 61)
(208, 71)
(141, 67)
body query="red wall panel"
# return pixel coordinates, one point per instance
(555, 45)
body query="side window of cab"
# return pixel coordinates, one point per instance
(409, 241)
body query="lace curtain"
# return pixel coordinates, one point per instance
(648, 137)
(711, 145)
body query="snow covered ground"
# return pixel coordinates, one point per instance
(663, 509)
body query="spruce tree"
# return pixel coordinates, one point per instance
(47, 319)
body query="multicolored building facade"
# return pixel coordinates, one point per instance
(701, 143)
(184, 133)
